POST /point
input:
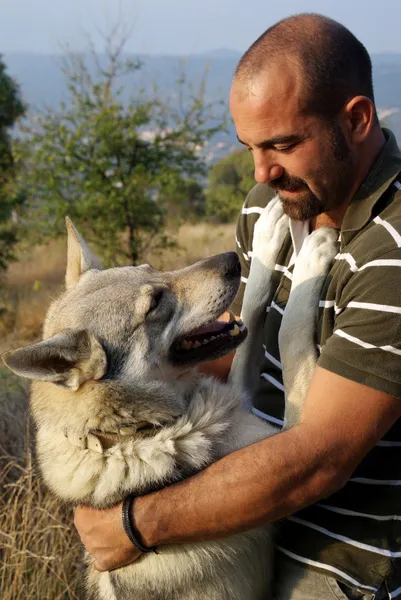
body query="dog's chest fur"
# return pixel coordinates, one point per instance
(212, 425)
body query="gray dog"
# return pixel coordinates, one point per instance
(120, 408)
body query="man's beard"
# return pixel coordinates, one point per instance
(306, 205)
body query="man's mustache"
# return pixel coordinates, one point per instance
(288, 184)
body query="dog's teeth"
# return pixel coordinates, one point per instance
(240, 324)
(186, 345)
(197, 345)
(234, 331)
(128, 430)
(77, 440)
(213, 338)
(205, 342)
(94, 443)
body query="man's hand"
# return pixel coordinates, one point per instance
(103, 535)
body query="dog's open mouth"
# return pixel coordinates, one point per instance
(212, 340)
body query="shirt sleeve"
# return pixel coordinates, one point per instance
(366, 342)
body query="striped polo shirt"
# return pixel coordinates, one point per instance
(355, 534)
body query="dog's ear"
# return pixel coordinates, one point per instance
(68, 359)
(79, 257)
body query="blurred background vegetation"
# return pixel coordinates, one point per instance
(131, 170)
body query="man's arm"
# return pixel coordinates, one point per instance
(271, 479)
(219, 368)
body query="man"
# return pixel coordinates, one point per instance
(302, 102)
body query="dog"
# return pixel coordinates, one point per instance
(120, 408)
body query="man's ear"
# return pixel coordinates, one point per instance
(68, 359)
(79, 257)
(360, 115)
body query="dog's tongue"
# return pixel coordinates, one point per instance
(211, 328)
(216, 326)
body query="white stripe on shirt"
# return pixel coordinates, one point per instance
(276, 383)
(359, 342)
(353, 513)
(252, 210)
(392, 231)
(332, 570)
(387, 444)
(395, 593)
(350, 260)
(277, 308)
(345, 539)
(379, 262)
(271, 358)
(382, 262)
(372, 306)
(368, 481)
(266, 417)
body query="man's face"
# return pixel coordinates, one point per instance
(305, 158)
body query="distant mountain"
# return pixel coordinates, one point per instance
(221, 53)
(42, 82)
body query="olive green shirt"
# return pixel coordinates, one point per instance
(354, 535)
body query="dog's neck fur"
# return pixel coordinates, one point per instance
(137, 464)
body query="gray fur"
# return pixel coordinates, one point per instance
(106, 364)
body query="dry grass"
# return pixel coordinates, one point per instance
(39, 548)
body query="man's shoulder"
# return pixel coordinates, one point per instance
(383, 234)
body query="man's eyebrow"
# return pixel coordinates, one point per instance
(275, 141)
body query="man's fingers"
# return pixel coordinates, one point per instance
(111, 565)
(101, 567)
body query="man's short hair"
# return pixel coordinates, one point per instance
(336, 65)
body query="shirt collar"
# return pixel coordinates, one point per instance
(381, 175)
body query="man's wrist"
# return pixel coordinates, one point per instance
(144, 519)
(134, 536)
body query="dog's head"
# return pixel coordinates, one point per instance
(132, 323)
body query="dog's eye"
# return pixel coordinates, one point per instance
(155, 300)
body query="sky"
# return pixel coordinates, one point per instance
(183, 27)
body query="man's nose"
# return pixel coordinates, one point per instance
(266, 171)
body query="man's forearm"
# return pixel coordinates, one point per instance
(263, 482)
(341, 421)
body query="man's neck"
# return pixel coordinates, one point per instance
(335, 217)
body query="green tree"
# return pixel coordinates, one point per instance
(230, 180)
(11, 109)
(111, 164)
(183, 202)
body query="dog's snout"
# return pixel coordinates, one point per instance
(226, 265)
(233, 266)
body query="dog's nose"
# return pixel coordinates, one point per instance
(233, 266)
(226, 264)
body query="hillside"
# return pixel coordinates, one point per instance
(42, 81)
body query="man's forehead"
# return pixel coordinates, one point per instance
(279, 77)
(258, 121)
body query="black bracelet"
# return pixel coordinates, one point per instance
(129, 527)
